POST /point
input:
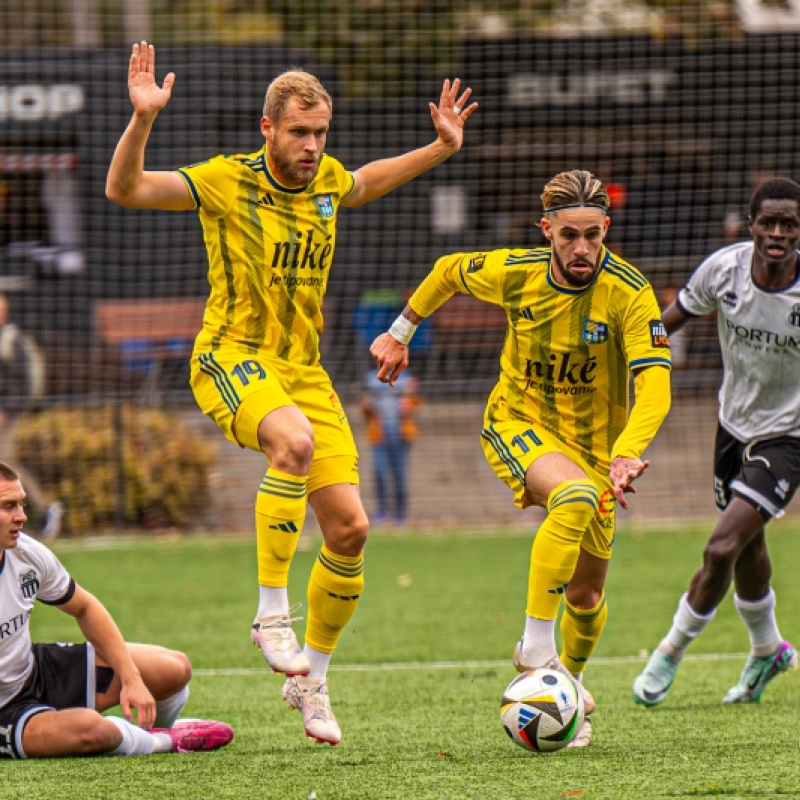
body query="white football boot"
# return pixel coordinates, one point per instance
(555, 663)
(310, 695)
(274, 637)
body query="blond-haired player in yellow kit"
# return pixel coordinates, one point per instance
(557, 427)
(269, 222)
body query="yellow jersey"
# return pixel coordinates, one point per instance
(569, 352)
(270, 250)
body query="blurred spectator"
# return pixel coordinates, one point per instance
(22, 371)
(391, 429)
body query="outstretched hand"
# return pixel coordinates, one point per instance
(392, 357)
(146, 95)
(451, 114)
(623, 472)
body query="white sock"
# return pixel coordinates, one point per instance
(319, 662)
(167, 711)
(687, 625)
(136, 741)
(759, 616)
(272, 600)
(539, 641)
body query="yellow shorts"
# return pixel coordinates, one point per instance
(237, 390)
(511, 446)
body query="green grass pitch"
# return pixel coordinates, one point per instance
(417, 679)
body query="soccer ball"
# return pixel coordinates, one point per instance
(542, 710)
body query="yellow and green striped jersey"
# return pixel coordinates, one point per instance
(568, 352)
(269, 253)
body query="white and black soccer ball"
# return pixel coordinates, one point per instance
(542, 710)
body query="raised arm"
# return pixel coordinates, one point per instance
(102, 632)
(128, 183)
(378, 178)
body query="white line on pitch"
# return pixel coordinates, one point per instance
(421, 665)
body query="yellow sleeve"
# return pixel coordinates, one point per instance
(650, 407)
(478, 274)
(439, 286)
(344, 178)
(212, 184)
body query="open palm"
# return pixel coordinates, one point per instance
(146, 95)
(451, 113)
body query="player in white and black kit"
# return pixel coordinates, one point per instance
(51, 695)
(755, 289)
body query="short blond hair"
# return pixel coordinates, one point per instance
(294, 83)
(574, 189)
(8, 473)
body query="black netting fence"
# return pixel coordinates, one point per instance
(680, 108)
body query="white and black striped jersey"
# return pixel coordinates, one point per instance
(29, 572)
(759, 333)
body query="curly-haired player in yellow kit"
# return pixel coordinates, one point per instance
(557, 428)
(269, 224)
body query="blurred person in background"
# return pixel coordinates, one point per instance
(52, 695)
(269, 222)
(754, 288)
(557, 428)
(22, 376)
(391, 429)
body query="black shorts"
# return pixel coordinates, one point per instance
(764, 473)
(63, 676)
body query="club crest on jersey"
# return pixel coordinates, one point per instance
(794, 315)
(28, 584)
(476, 263)
(324, 205)
(594, 332)
(658, 333)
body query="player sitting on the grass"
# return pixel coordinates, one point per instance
(753, 287)
(51, 695)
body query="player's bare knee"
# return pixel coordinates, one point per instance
(293, 452)
(174, 671)
(583, 596)
(720, 554)
(181, 670)
(350, 536)
(97, 735)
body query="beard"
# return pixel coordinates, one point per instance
(291, 172)
(579, 280)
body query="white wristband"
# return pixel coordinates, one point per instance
(402, 329)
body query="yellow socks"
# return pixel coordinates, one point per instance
(280, 513)
(571, 507)
(334, 589)
(581, 629)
